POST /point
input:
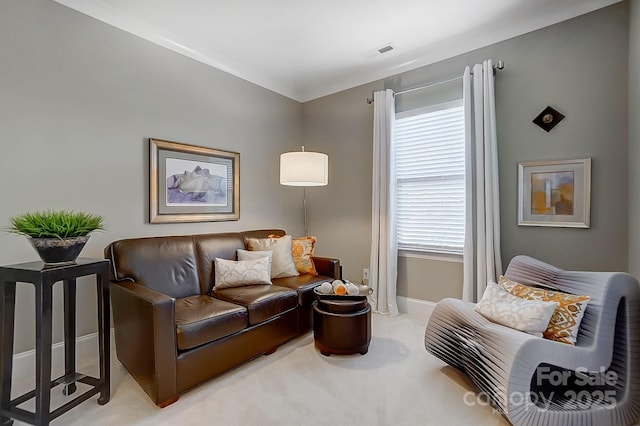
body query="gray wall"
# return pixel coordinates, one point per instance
(341, 125)
(634, 139)
(78, 101)
(580, 68)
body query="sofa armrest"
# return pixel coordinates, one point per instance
(144, 322)
(328, 266)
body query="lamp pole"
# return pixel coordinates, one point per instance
(304, 205)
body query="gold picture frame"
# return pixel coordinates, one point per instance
(189, 183)
(555, 193)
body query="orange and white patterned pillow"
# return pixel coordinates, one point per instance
(565, 321)
(302, 251)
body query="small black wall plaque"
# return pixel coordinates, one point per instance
(548, 118)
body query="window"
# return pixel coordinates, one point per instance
(430, 178)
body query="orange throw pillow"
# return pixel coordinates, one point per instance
(567, 317)
(302, 250)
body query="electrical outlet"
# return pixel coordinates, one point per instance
(365, 274)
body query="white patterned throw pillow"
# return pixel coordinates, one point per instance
(230, 273)
(530, 316)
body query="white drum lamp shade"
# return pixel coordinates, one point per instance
(304, 168)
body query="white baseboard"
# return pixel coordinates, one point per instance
(86, 347)
(417, 307)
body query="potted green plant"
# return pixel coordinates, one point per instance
(57, 236)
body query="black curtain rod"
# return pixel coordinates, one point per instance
(498, 66)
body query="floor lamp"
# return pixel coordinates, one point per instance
(304, 169)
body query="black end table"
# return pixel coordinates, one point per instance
(43, 278)
(341, 324)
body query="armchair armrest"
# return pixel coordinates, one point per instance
(328, 266)
(144, 322)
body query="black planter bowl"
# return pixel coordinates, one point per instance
(59, 251)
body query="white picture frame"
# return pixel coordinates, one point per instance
(555, 193)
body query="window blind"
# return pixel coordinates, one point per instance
(430, 180)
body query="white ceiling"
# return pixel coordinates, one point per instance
(305, 49)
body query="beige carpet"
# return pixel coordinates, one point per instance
(396, 383)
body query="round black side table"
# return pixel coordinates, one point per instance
(342, 324)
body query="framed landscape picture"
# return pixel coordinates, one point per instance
(554, 193)
(189, 183)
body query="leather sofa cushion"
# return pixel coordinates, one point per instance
(203, 319)
(167, 265)
(262, 301)
(210, 246)
(304, 285)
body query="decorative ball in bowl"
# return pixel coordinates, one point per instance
(341, 288)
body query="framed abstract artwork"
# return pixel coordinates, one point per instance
(555, 193)
(189, 183)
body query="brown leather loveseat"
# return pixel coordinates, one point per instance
(173, 332)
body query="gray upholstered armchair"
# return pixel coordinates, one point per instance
(534, 381)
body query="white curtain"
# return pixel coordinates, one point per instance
(482, 260)
(383, 266)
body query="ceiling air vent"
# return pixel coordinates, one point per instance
(374, 53)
